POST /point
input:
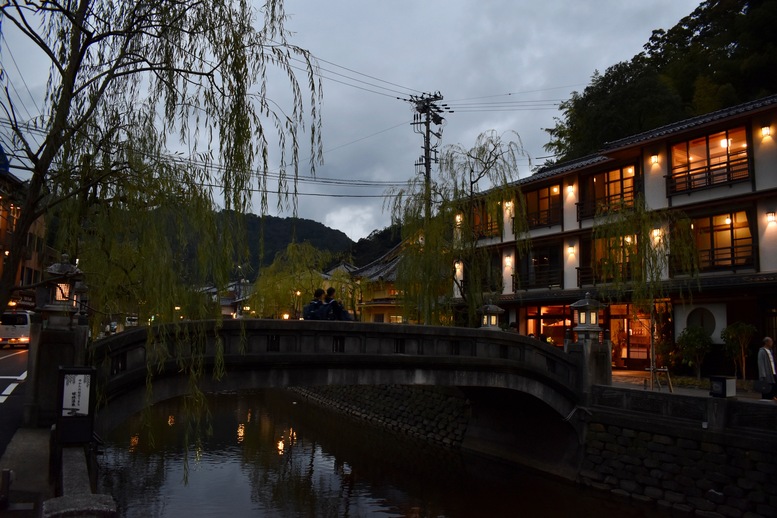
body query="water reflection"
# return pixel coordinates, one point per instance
(266, 454)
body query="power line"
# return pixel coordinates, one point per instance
(217, 168)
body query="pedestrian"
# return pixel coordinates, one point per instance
(766, 369)
(338, 310)
(312, 308)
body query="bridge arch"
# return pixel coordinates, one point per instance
(273, 353)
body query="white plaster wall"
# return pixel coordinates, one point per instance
(655, 179)
(718, 311)
(571, 262)
(569, 199)
(765, 154)
(767, 234)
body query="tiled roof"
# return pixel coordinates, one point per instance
(654, 134)
(701, 120)
(564, 167)
(383, 268)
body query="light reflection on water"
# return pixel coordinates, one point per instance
(269, 455)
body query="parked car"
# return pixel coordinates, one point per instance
(15, 328)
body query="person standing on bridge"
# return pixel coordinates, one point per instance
(766, 368)
(312, 308)
(338, 310)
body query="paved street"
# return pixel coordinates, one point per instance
(13, 373)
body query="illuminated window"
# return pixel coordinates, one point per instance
(543, 206)
(485, 222)
(713, 159)
(723, 245)
(609, 190)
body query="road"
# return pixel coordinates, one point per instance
(13, 374)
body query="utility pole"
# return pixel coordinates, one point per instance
(428, 112)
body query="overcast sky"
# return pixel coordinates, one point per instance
(501, 65)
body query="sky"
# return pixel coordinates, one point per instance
(500, 65)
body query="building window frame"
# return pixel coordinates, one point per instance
(713, 159)
(485, 221)
(725, 240)
(541, 267)
(543, 206)
(612, 189)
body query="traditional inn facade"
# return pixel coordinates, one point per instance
(719, 169)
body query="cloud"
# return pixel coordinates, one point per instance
(473, 53)
(484, 57)
(359, 220)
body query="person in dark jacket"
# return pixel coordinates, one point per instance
(766, 368)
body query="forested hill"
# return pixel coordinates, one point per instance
(275, 234)
(722, 54)
(270, 235)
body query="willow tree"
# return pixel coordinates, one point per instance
(643, 256)
(470, 188)
(289, 282)
(155, 114)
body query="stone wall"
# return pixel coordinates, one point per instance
(695, 455)
(436, 415)
(681, 474)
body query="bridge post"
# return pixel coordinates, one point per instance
(58, 337)
(594, 356)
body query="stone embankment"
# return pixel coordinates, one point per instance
(437, 416)
(700, 476)
(656, 449)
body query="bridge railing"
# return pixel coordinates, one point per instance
(123, 360)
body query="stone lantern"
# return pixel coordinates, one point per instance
(60, 340)
(587, 313)
(63, 295)
(490, 319)
(594, 355)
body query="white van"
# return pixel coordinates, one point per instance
(15, 328)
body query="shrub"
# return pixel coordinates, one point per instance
(694, 344)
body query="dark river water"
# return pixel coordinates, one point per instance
(267, 453)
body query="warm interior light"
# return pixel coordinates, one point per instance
(766, 131)
(654, 159)
(728, 220)
(770, 217)
(555, 189)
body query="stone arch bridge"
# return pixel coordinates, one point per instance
(498, 371)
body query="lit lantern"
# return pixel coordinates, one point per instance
(587, 313)
(490, 318)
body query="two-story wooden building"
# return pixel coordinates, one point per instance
(719, 169)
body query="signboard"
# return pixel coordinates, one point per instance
(76, 398)
(75, 395)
